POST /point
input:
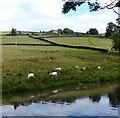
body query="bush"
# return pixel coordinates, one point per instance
(116, 41)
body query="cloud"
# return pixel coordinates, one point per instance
(43, 15)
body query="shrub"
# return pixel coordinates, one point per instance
(116, 41)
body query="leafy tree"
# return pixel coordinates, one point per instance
(116, 41)
(113, 31)
(111, 28)
(13, 31)
(92, 31)
(93, 6)
(68, 31)
(60, 31)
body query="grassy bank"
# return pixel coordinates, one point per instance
(15, 71)
(18, 61)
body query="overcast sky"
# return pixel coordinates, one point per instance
(45, 15)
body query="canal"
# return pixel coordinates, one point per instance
(79, 100)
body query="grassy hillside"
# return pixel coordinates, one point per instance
(18, 61)
(21, 51)
(84, 41)
(76, 41)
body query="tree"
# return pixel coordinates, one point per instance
(95, 6)
(67, 31)
(116, 41)
(110, 29)
(92, 31)
(60, 31)
(13, 31)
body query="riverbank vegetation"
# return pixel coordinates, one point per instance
(19, 61)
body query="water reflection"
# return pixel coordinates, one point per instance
(81, 107)
(100, 103)
(15, 104)
(95, 98)
(114, 98)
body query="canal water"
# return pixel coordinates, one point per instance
(82, 100)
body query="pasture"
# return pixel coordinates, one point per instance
(4, 32)
(84, 41)
(18, 61)
(21, 40)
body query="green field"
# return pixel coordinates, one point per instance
(18, 61)
(4, 32)
(21, 40)
(76, 41)
(84, 41)
(26, 51)
(11, 52)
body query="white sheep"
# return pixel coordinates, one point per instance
(84, 68)
(30, 75)
(58, 69)
(55, 91)
(76, 67)
(99, 67)
(53, 74)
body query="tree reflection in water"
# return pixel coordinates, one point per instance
(113, 95)
(95, 98)
(114, 98)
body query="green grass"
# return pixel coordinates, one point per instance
(15, 71)
(21, 39)
(10, 52)
(77, 41)
(4, 32)
(52, 35)
(84, 41)
(18, 61)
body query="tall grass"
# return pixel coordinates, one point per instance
(16, 70)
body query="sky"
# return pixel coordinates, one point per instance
(46, 15)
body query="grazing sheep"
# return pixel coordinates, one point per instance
(83, 69)
(55, 91)
(53, 74)
(76, 67)
(58, 69)
(30, 75)
(99, 67)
